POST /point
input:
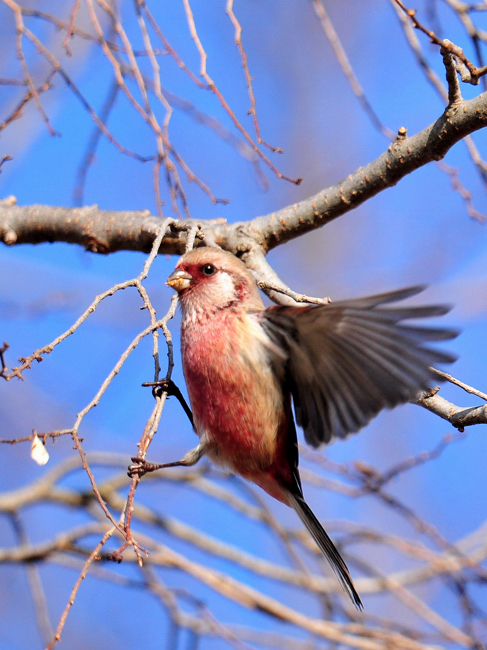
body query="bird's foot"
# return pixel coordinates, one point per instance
(169, 387)
(140, 467)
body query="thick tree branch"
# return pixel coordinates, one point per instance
(106, 231)
(99, 231)
(402, 157)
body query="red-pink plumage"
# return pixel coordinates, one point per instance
(237, 403)
(341, 364)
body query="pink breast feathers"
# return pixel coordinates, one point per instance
(234, 402)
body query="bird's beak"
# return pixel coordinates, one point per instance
(179, 280)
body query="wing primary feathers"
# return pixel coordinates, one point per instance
(421, 334)
(326, 546)
(347, 361)
(369, 302)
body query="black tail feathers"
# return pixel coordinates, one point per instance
(326, 546)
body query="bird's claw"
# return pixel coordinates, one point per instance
(162, 386)
(140, 467)
(116, 556)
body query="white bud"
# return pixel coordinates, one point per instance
(38, 451)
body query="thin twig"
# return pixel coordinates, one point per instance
(16, 114)
(35, 583)
(298, 297)
(89, 155)
(92, 557)
(3, 349)
(213, 87)
(461, 384)
(70, 30)
(345, 65)
(42, 436)
(248, 77)
(470, 72)
(21, 31)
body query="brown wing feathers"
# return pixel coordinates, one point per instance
(349, 360)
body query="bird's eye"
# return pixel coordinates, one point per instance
(208, 269)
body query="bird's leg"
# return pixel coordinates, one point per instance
(141, 466)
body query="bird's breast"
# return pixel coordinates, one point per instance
(235, 396)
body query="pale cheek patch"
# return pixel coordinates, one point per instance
(207, 297)
(221, 290)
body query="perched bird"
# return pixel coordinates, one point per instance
(340, 363)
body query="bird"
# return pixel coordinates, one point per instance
(246, 366)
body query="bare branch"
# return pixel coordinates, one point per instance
(459, 416)
(93, 555)
(469, 72)
(344, 63)
(116, 505)
(271, 289)
(454, 93)
(94, 229)
(461, 384)
(248, 77)
(401, 158)
(4, 368)
(35, 583)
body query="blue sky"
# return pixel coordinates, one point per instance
(416, 232)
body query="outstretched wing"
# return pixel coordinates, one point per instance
(347, 361)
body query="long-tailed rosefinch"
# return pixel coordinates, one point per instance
(341, 363)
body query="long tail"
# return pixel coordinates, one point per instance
(326, 546)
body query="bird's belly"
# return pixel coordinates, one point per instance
(236, 409)
(241, 434)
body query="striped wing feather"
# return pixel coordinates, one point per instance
(349, 360)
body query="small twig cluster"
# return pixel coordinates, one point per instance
(109, 505)
(469, 72)
(455, 566)
(360, 480)
(110, 33)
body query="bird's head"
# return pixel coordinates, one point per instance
(210, 279)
